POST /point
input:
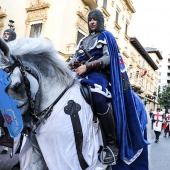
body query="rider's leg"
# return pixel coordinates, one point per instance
(105, 115)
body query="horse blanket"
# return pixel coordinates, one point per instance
(57, 133)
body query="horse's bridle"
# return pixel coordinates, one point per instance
(46, 112)
(18, 63)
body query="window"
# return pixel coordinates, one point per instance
(130, 75)
(143, 64)
(104, 4)
(80, 35)
(126, 28)
(159, 73)
(36, 30)
(137, 74)
(117, 17)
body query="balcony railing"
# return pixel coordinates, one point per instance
(91, 3)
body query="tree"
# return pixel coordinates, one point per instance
(164, 97)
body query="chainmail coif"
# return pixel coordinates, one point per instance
(95, 13)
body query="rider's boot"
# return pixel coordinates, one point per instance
(108, 126)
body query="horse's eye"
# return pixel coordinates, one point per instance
(17, 87)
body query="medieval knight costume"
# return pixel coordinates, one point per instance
(158, 117)
(101, 56)
(166, 125)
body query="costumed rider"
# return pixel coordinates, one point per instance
(157, 117)
(5, 139)
(91, 62)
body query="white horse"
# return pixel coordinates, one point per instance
(63, 134)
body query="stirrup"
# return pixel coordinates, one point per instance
(102, 155)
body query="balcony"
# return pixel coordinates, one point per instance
(126, 37)
(91, 3)
(136, 86)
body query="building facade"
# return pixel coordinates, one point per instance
(164, 71)
(65, 23)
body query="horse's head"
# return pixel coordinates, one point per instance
(37, 75)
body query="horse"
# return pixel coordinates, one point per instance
(59, 128)
(48, 93)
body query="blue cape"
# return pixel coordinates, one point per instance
(129, 111)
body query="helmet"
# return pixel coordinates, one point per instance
(12, 35)
(98, 15)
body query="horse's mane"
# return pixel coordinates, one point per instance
(42, 47)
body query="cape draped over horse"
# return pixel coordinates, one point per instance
(53, 145)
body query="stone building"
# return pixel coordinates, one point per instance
(164, 71)
(65, 23)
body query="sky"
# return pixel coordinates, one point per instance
(151, 23)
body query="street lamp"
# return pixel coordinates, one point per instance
(154, 97)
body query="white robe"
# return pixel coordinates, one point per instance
(158, 117)
(56, 137)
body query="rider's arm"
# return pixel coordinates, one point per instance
(105, 58)
(102, 62)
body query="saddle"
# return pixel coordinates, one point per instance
(86, 93)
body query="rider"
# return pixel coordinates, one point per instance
(94, 59)
(8, 35)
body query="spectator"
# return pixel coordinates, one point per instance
(166, 126)
(157, 118)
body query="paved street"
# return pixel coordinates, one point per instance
(159, 155)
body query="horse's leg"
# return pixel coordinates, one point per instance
(38, 161)
(30, 156)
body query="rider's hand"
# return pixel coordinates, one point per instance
(80, 70)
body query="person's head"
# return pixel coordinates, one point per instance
(95, 21)
(9, 35)
(158, 109)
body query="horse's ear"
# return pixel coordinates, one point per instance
(4, 48)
